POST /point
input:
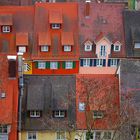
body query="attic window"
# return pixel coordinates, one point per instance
(6, 29)
(137, 46)
(67, 48)
(22, 49)
(44, 48)
(88, 46)
(97, 114)
(55, 26)
(117, 48)
(59, 113)
(35, 114)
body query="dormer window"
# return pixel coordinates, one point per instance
(60, 113)
(35, 114)
(88, 46)
(117, 46)
(55, 26)
(6, 29)
(44, 48)
(22, 49)
(137, 45)
(67, 48)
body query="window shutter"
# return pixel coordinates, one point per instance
(58, 65)
(104, 62)
(63, 64)
(109, 62)
(36, 64)
(74, 64)
(81, 62)
(91, 60)
(47, 65)
(94, 62)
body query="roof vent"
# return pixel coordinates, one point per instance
(3, 95)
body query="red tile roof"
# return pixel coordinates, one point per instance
(22, 39)
(67, 38)
(44, 38)
(6, 19)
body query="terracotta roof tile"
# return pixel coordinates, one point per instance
(44, 38)
(67, 38)
(6, 19)
(22, 39)
(55, 17)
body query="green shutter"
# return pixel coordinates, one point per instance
(58, 65)
(47, 65)
(63, 64)
(36, 64)
(74, 64)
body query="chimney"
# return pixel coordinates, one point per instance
(87, 8)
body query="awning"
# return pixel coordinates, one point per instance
(6, 19)
(22, 39)
(44, 38)
(55, 17)
(67, 38)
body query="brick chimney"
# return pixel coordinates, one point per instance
(87, 8)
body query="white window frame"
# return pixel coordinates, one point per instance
(119, 47)
(60, 136)
(35, 114)
(102, 50)
(67, 48)
(107, 135)
(86, 62)
(55, 25)
(31, 133)
(81, 106)
(137, 45)
(53, 65)
(4, 129)
(22, 49)
(113, 62)
(6, 29)
(41, 65)
(44, 48)
(68, 64)
(88, 47)
(59, 113)
(99, 62)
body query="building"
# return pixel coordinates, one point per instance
(101, 37)
(8, 98)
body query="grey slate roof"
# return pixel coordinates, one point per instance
(132, 32)
(47, 94)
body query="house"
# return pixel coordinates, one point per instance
(101, 37)
(8, 98)
(132, 33)
(48, 107)
(97, 106)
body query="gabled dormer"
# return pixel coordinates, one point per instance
(103, 46)
(55, 19)
(6, 23)
(88, 46)
(117, 46)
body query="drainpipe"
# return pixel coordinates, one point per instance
(20, 84)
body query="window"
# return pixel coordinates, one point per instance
(55, 26)
(102, 51)
(53, 65)
(98, 136)
(107, 135)
(81, 106)
(89, 136)
(3, 129)
(32, 136)
(117, 48)
(59, 114)
(99, 62)
(22, 49)
(137, 46)
(69, 65)
(41, 65)
(44, 48)
(113, 62)
(6, 29)
(34, 114)
(86, 62)
(25, 67)
(60, 135)
(67, 48)
(88, 47)
(97, 114)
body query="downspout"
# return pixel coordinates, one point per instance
(20, 86)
